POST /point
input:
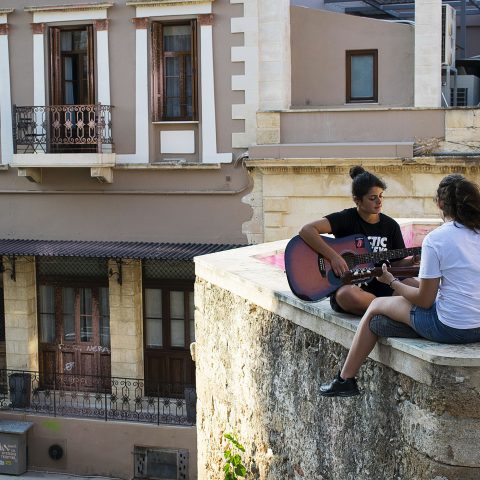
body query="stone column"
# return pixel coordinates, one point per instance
(20, 297)
(274, 54)
(428, 53)
(126, 320)
(142, 92)
(6, 139)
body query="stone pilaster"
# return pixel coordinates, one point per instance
(126, 325)
(20, 297)
(428, 52)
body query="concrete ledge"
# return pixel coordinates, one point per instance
(334, 150)
(246, 273)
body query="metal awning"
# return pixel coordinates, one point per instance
(98, 249)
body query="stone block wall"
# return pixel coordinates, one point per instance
(289, 193)
(126, 321)
(258, 376)
(20, 298)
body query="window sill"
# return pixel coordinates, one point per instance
(176, 122)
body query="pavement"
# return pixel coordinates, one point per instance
(54, 476)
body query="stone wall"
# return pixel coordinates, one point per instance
(20, 297)
(126, 321)
(289, 193)
(260, 363)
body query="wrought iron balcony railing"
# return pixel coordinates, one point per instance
(62, 129)
(103, 398)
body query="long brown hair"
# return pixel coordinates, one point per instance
(460, 200)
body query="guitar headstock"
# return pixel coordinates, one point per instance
(357, 276)
(363, 275)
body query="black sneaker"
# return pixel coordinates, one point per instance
(340, 388)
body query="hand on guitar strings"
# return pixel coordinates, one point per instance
(386, 277)
(339, 265)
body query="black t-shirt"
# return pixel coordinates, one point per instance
(383, 235)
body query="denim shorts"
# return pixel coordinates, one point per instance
(426, 323)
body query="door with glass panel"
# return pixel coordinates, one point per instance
(169, 331)
(74, 334)
(73, 122)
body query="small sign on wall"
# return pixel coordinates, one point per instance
(177, 141)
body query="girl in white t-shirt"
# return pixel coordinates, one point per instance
(445, 307)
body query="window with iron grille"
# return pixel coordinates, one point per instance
(174, 71)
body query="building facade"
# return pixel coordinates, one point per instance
(135, 135)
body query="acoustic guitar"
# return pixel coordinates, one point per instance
(311, 277)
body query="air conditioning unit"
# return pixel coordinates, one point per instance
(449, 34)
(160, 464)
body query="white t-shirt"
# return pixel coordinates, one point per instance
(452, 252)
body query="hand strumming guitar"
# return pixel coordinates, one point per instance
(386, 277)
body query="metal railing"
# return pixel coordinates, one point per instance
(62, 129)
(91, 396)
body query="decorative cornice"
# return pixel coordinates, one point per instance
(141, 23)
(3, 28)
(380, 166)
(38, 28)
(164, 3)
(69, 8)
(205, 19)
(6, 11)
(101, 25)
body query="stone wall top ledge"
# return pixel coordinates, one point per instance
(256, 274)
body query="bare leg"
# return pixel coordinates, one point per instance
(397, 308)
(353, 299)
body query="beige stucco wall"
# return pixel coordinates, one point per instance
(96, 447)
(20, 301)
(153, 204)
(290, 193)
(126, 319)
(319, 40)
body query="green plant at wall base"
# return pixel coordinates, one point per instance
(234, 467)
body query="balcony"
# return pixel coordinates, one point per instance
(62, 136)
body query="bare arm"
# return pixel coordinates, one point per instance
(310, 234)
(423, 296)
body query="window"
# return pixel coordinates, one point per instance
(174, 70)
(72, 66)
(362, 76)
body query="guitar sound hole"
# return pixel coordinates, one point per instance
(349, 259)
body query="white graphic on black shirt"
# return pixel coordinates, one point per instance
(379, 244)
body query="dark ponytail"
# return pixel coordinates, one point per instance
(363, 181)
(460, 200)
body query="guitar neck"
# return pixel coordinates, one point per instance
(375, 257)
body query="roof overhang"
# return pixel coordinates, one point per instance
(98, 249)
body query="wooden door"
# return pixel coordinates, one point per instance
(169, 330)
(74, 337)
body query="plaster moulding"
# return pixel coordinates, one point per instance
(165, 3)
(70, 8)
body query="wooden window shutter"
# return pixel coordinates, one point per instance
(91, 66)
(193, 25)
(157, 71)
(55, 67)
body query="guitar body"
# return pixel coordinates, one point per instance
(310, 276)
